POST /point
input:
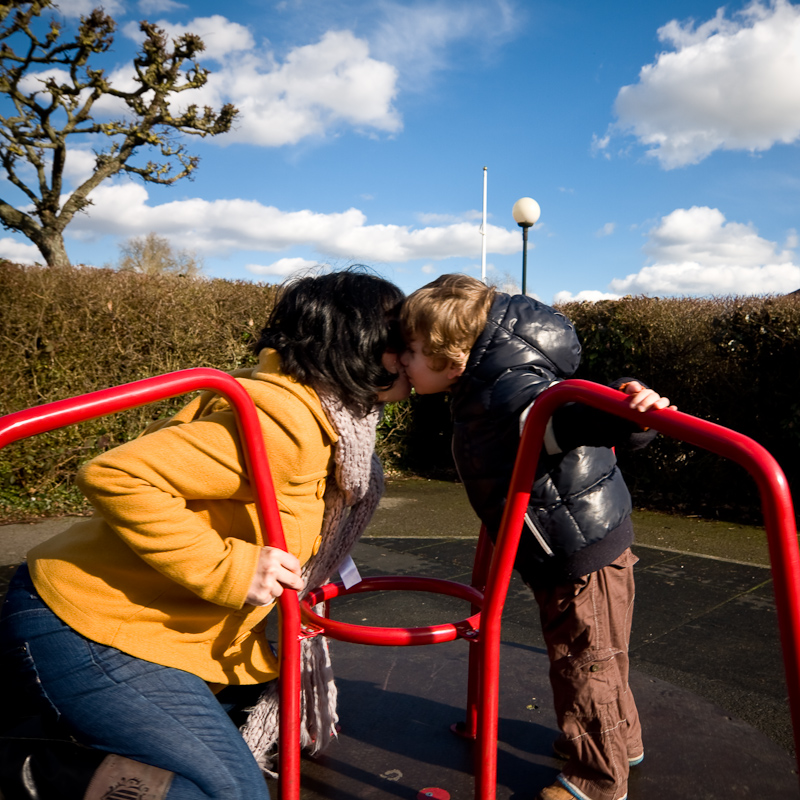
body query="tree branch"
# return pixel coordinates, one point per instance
(59, 110)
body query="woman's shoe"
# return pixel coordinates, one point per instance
(42, 769)
(46, 769)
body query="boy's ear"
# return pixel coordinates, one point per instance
(455, 370)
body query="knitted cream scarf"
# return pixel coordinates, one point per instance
(350, 501)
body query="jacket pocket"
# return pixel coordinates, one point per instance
(311, 484)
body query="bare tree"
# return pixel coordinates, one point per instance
(51, 90)
(154, 255)
(507, 283)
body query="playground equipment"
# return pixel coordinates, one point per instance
(493, 565)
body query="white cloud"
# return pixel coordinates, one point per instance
(607, 229)
(416, 37)
(77, 8)
(18, 252)
(224, 226)
(282, 267)
(35, 81)
(159, 6)
(701, 234)
(317, 88)
(687, 34)
(588, 295)
(80, 165)
(396, 243)
(434, 218)
(726, 85)
(315, 91)
(221, 37)
(696, 252)
(600, 144)
(692, 278)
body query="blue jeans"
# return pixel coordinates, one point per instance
(120, 704)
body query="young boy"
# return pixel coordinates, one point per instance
(496, 353)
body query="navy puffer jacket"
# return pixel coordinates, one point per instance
(579, 515)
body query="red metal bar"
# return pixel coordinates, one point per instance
(480, 575)
(59, 414)
(778, 517)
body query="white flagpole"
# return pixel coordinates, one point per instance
(483, 231)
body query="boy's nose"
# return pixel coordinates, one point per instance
(403, 358)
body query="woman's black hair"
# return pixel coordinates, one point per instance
(331, 331)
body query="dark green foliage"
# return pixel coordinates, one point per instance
(422, 446)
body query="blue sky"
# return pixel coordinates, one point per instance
(659, 139)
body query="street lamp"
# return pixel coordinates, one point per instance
(526, 213)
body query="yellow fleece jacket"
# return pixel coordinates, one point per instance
(162, 569)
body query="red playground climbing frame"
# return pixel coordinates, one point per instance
(493, 566)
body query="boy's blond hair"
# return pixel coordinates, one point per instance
(447, 316)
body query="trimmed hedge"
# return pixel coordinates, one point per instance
(65, 332)
(734, 361)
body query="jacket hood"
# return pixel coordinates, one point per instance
(521, 335)
(260, 382)
(269, 371)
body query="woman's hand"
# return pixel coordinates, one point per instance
(275, 570)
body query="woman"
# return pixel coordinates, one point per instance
(124, 627)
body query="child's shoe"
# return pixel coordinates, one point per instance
(555, 791)
(562, 789)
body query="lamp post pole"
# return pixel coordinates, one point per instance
(526, 213)
(524, 257)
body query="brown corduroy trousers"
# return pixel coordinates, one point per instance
(586, 626)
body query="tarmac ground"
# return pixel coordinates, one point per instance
(706, 663)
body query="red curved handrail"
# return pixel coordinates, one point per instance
(61, 413)
(779, 522)
(399, 636)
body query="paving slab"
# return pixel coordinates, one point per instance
(396, 704)
(16, 540)
(396, 709)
